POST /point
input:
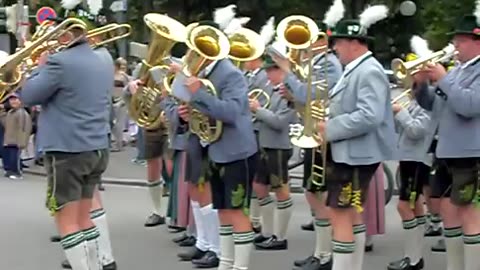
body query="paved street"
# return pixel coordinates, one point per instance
(26, 226)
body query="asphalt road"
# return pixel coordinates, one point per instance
(25, 227)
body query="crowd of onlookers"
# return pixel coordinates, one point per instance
(18, 126)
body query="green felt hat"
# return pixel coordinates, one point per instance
(467, 25)
(350, 29)
(268, 62)
(323, 27)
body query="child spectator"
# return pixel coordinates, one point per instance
(18, 126)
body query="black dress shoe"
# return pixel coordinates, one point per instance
(439, 246)
(369, 248)
(192, 254)
(110, 266)
(308, 226)
(272, 244)
(432, 232)
(259, 239)
(315, 264)
(302, 262)
(154, 220)
(189, 242)
(176, 229)
(55, 238)
(405, 264)
(180, 238)
(209, 260)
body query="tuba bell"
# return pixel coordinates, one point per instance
(206, 44)
(165, 33)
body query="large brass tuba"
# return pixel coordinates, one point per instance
(165, 32)
(206, 44)
(11, 71)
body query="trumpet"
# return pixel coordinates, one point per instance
(11, 72)
(407, 94)
(259, 94)
(404, 71)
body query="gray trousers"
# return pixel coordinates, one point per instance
(119, 119)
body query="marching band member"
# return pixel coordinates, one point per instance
(360, 132)
(415, 132)
(73, 87)
(456, 103)
(272, 170)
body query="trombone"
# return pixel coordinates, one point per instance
(111, 29)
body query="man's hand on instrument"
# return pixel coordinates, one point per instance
(42, 60)
(254, 105)
(285, 93)
(184, 112)
(396, 108)
(436, 72)
(193, 84)
(134, 85)
(175, 68)
(322, 125)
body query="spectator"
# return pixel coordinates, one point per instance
(18, 126)
(119, 109)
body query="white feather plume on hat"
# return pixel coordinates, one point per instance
(372, 15)
(70, 4)
(268, 31)
(94, 6)
(477, 11)
(223, 16)
(334, 14)
(235, 25)
(420, 46)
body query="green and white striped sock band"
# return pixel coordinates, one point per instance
(97, 213)
(226, 230)
(421, 220)
(243, 238)
(452, 232)
(322, 223)
(91, 234)
(265, 201)
(154, 183)
(343, 247)
(436, 218)
(471, 239)
(285, 204)
(72, 240)
(359, 228)
(409, 224)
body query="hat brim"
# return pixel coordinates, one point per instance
(339, 36)
(270, 65)
(454, 33)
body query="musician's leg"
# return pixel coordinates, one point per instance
(266, 202)
(99, 217)
(255, 213)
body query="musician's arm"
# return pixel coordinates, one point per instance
(463, 100)
(415, 128)
(278, 120)
(425, 95)
(228, 107)
(170, 108)
(41, 86)
(370, 111)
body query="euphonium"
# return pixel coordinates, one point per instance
(165, 32)
(206, 44)
(11, 72)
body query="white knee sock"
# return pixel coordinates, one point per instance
(227, 248)
(455, 248)
(284, 213)
(472, 251)
(343, 255)
(419, 239)
(75, 248)
(267, 208)
(410, 230)
(156, 193)
(210, 217)
(99, 217)
(202, 242)
(323, 242)
(255, 212)
(359, 231)
(243, 247)
(91, 236)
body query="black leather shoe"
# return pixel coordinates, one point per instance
(180, 238)
(439, 246)
(209, 260)
(431, 232)
(369, 248)
(405, 264)
(302, 262)
(110, 266)
(189, 242)
(154, 220)
(175, 229)
(192, 254)
(315, 264)
(55, 238)
(272, 244)
(308, 226)
(259, 239)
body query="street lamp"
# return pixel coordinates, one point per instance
(408, 8)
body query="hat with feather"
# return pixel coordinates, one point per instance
(358, 28)
(93, 14)
(221, 18)
(334, 14)
(469, 24)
